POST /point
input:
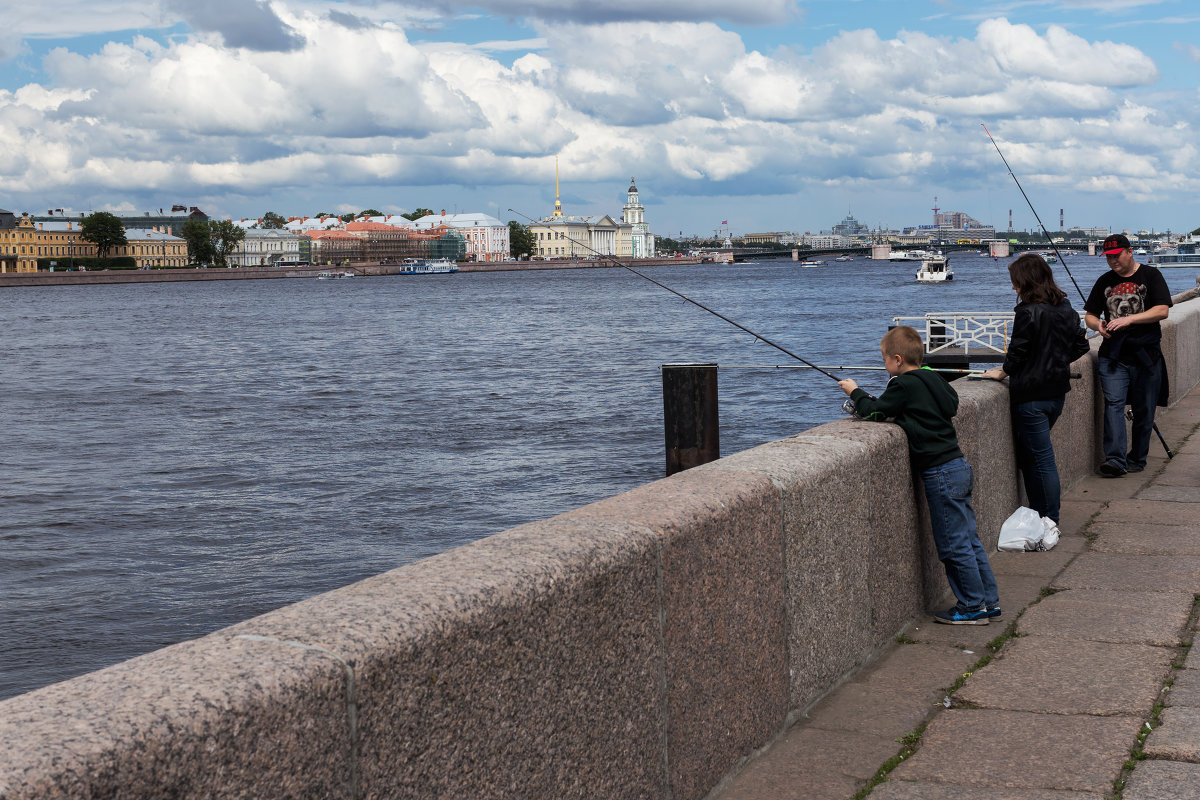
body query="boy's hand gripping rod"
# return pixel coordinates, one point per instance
(737, 325)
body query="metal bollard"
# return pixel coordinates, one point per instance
(690, 417)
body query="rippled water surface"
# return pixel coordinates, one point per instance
(179, 457)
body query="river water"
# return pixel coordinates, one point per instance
(179, 457)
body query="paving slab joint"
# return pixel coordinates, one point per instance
(909, 743)
(1138, 753)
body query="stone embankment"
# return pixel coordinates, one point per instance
(718, 631)
(264, 273)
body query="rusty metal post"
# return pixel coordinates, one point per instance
(690, 416)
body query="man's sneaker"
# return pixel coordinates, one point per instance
(994, 611)
(952, 616)
(1135, 468)
(1111, 469)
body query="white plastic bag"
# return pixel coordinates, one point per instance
(1022, 531)
(1050, 535)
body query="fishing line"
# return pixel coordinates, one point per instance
(1061, 260)
(1046, 233)
(737, 325)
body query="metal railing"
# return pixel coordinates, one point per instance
(962, 331)
(983, 332)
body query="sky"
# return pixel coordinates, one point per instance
(773, 115)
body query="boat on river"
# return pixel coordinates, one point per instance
(428, 266)
(816, 263)
(328, 276)
(935, 269)
(908, 255)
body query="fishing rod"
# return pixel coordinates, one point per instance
(1046, 233)
(1061, 260)
(737, 325)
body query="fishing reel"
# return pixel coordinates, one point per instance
(850, 408)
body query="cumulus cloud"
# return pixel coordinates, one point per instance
(762, 12)
(686, 104)
(241, 23)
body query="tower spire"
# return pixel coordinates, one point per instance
(557, 202)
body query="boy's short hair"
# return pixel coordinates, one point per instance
(905, 342)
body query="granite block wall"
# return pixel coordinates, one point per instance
(640, 647)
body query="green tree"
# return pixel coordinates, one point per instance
(225, 237)
(272, 221)
(520, 240)
(418, 213)
(198, 236)
(347, 217)
(370, 212)
(103, 230)
(1196, 232)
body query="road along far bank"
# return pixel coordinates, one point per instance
(254, 273)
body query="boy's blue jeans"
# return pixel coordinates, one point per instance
(948, 492)
(1035, 454)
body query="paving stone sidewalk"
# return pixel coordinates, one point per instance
(1095, 666)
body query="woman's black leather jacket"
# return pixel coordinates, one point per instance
(1045, 340)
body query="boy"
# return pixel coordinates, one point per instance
(922, 403)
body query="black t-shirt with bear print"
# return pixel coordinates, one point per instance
(1113, 297)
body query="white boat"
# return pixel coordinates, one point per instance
(428, 266)
(935, 269)
(908, 255)
(842, 258)
(328, 276)
(1183, 253)
(812, 263)
(1141, 251)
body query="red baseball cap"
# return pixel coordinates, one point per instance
(1115, 243)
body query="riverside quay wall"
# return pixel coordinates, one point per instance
(640, 647)
(257, 273)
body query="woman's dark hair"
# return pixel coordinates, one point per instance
(1034, 281)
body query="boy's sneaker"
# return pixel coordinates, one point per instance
(1111, 469)
(952, 616)
(994, 611)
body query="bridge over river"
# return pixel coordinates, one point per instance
(739, 254)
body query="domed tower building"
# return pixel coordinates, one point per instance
(634, 214)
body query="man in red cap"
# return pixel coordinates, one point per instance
(1126, 306)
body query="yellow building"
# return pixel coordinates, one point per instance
(23, 242)
(18, 243)
(153, 247)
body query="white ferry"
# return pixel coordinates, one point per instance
(1183, 254)
(434, 266)
(328, 276)
(909, 255)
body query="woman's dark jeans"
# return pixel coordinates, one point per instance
(1033, 420)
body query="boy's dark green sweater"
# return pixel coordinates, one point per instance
(921, 402)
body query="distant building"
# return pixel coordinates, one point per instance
(266, 247)
(166, 221)
(563, 236)
(486, 237)
(825, 241)
(23, 241)
(849, 226)
(763, 238)
(641, 241)
(153, 247)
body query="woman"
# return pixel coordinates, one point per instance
(1046, 338)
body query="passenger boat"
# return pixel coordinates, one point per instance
(1183, 254)
(817, 263)
(908, 255)
(429, 266)
(328, 276)
(935, 269)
